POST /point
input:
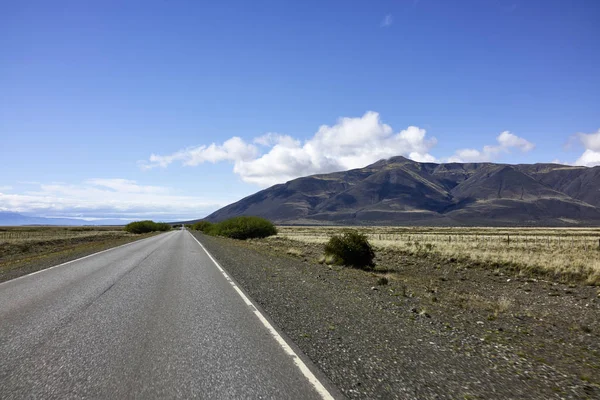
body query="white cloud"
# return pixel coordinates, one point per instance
(269, 139)
(422, 158)
(5, 188)
(107, 198)
(591, 143)
(125, 186)
(350, 143)
(231, 150)
(387, 21)
(506, 142)
(589, 158)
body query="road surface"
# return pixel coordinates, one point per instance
(155, 318)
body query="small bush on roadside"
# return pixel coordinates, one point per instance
(203, 226)
(243, 228)
(382, 281)
(351, 248)
(146, 227)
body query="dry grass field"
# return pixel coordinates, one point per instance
(22, 234)
(566, 254)
(31, 248)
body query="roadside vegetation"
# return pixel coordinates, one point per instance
(202, 226)
(139, 227)
(568, 255)
(350, 248)
(240, 228)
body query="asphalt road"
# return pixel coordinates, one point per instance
(155, 318)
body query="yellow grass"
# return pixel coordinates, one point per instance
(14, 235)
(569, 253)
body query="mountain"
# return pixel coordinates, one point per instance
(8, 218)
(399, 191)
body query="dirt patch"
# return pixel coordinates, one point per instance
(424, 327)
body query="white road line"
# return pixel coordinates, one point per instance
(72, 261)
(324, 393)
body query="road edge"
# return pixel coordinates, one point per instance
(80, 258)
(316, 377)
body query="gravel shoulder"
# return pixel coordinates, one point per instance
(436, 330)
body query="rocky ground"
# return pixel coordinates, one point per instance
(424, 328)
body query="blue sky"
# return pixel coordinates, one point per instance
(168, 110)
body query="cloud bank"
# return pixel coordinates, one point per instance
(506, 142)
(275, 158)
(591, 143)
(107, 198)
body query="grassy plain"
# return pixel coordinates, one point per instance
(562, 253)
(28, 249)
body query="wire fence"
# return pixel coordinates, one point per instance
(574, 240)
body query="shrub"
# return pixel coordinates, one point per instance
(351, 248)
(382, 281)
(203, 226)
(146, 227)
(163, 227)
(244, 228)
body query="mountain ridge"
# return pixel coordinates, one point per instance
(399, 191)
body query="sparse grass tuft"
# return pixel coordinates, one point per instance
(503, 305)
(292, 251)
(329, 259)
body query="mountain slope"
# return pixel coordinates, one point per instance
(399, 191)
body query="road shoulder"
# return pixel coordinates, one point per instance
(376, 341)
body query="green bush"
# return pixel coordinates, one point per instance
(146, 227)
(244, 228)
(351, 248)
(203, 226)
